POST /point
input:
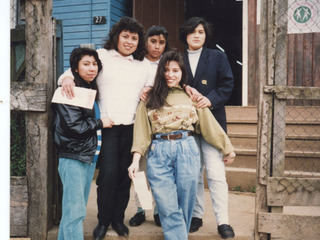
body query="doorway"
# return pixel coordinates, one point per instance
(225, 17)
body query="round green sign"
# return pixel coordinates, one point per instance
(302, 14)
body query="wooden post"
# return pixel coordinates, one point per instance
(264, 116)
(38, 143)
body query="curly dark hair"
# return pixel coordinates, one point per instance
(190, 25)
(159, 92)
(131, 25)
(157, 31)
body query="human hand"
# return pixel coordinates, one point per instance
(192, 93)
(229, 158)
(134, 167)
(107, 122)
(144, 93)
(203, 102)
(67, 87)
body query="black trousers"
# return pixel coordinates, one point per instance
(113, 180)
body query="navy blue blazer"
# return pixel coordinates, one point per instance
(213, 79)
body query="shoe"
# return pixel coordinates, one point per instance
(196, 223)
(137, 219)
(100, 231)
(226, 231)
(157, 220)
(121, 229)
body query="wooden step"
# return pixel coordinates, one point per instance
(242, 128)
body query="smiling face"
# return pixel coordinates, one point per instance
(197, 38)
(155, 46)
(173, 74)
(127, 43)
(87, 68)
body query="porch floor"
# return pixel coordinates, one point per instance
(241, 214)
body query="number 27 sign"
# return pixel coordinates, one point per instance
(99, 20)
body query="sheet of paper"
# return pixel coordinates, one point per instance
(141, 188)
(83, 97)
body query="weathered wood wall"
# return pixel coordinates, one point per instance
(18, 206)
(39, 72)
(253, 54)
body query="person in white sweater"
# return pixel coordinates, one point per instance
(120, 83)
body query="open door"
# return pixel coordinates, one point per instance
(224, 15)
(167, 13)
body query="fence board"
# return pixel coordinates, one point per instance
(28, 96)
(285, 92)
(282, 191)
(293, 227)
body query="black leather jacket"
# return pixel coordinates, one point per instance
(75, 132)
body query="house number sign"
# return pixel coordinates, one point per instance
(99, 20)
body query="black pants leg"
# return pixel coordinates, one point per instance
(113, 181)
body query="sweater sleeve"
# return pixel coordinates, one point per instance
(64, 75)
(212, 132)
(142, 132)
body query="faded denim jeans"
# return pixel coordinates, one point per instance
(173, 167)
(76, 178)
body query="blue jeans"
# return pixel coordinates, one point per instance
(211, 160)
(173, 167)
(76, 178)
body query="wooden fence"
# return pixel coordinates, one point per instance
(33, 97)
(284, 132)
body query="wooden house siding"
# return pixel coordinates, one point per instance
(77, 21)
(120, 8)
(304, 60)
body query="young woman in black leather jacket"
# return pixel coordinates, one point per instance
(77, 138)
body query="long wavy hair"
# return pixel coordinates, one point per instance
(157, 95)
(133, 26)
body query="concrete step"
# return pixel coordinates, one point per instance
(243, 178)
(241, 214)
(245, 159)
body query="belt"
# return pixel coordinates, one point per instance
(172, 136)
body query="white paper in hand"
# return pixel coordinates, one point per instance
(141, 188)
(83, 97)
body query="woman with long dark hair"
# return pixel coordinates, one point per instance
(167, 121)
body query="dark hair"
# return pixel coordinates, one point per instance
(157, 31)
(190, 25)
(76, 55)
(159, 92)
(131, 25)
